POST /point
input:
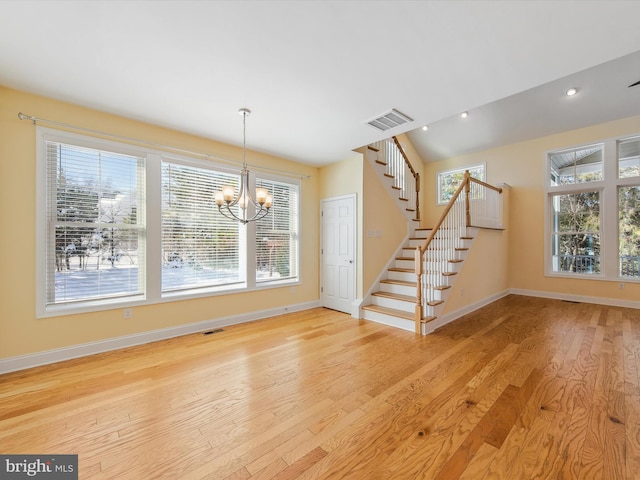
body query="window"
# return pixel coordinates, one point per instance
(449, 181)
(576, 232)
(588, 187)
(94, 224)
(277, 234)
(629, 208)
(200, 247)
(119, 224)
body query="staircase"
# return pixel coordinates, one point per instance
(393, 301)
(412, 291)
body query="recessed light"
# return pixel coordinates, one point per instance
(571, 92)
(425, 128)
(464, 114)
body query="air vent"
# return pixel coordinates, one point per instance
(211, 332)
(389, 120)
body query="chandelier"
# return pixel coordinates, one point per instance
(251, 208)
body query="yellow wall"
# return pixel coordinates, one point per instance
(380, 214)
(522, 166)
(377, 212)
(345, 178)
(20, 332)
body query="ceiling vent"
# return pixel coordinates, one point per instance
(389, 120)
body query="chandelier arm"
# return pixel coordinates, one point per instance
(229, 214)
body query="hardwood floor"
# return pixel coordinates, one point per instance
(524, 388)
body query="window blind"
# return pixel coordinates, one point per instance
(95, 224)
(277, 233)
(200, 247)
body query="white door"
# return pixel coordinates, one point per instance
(338, 253)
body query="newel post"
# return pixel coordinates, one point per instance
(418, 270)
(417, 177)
(467, 190)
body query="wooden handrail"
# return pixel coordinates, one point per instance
(415, 174)
(486, 185)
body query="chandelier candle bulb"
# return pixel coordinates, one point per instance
(227, 194)
(261, 195)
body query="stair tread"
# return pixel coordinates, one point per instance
(427, 319)
(435, 303)
(395, 296)
(399, 282)
(389, 311)
(404, 270)
(373, 148)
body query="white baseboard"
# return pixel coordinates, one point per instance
(451, 316)
(576, 298)
(22, 362)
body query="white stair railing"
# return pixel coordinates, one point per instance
(397, 167)
(485, 206)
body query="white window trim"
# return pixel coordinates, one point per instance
(153, 269)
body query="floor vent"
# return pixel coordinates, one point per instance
(211, 332)
(389, 120)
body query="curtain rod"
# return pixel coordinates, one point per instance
(207, 156)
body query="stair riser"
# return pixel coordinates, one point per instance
(393, 303)
(405, 264)
(434, 311)
(403, 276)
(438, 295)
(399, 289)
(389, 320)
(409, 252)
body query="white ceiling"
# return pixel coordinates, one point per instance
(314, 72)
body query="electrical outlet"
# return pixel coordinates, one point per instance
(126, 313)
